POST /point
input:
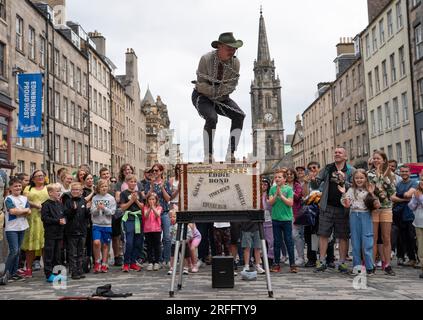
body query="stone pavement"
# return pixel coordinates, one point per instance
(154, 285)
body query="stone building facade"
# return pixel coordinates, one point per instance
(118, 125)
(297, 144)
(388, 78)
(415, 9)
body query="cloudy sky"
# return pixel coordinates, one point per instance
(170, 36)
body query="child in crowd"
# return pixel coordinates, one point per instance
(102, 210)
(361, 224)
(416, 204)
(281, 200)
(222, 237)
(251, 239)
(77, 215)
(173, 232)
(152, 224)
(16, 210)
(131, 204)
(193, 244)
(54, 222)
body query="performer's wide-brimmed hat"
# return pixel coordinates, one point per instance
(228, 39)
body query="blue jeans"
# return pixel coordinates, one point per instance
(285, 228)
(132, 242)
(361, 226)
(14, 239)
(167, 243)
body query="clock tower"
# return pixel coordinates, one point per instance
(266, 107)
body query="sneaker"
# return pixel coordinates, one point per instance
(379, 264)
(135, 267)
(118, 261)
(185, 271)
(156, 267)
(343, 268)
(259, 269)
(150, 267)
(299, 262)
(194, 269)
(410, 263)
(104, 268)
(170, 272)
(310, 264)
(389, 271)
(320, 267)
(75, 276)
(17, 277)
(371, 272)
(21, 272)
(139, 262)
(284, 260)
(401, 262)
(276, 268)
(293, 269)
(51, 278)
(97, 267)
(200, 263)
(125, 268)
(246, 268)
(36, 266)
(4, 278)
(28, 273)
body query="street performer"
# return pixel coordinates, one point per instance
(217, 78)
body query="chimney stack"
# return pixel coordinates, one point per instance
(100, 42)
(131, 65)
(59, 8)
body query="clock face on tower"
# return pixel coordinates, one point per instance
(268, 117)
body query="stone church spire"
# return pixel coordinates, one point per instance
(263, 54)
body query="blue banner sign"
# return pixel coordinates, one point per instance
(30, 105)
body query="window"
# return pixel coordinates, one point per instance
(396, 111)
(377, 80)
(72, 153)
(79, 154)
(337, 126)
(379, 119)
(390, 23)
(72, 75)
(407, 151)
(95, 136)
(360, 80)
(56, 63)
(2, 59)
(57, 148)
(373, 121)
(400, 22)
(365, 144)
(374, 39)
(370, 79)
(404, 102)
(420, 94)
(418, 41)
(65, 110)
(381, 31)
(94, 101)
(32, 167)
(268, 102)
(78, 80)
(388, 116)
(393, 69)
(349, 118)
(3, 11)
(31, 43)
(79, 118)
(367, 46)
(401, 61)
(354, 83)
(384, 74)
(72, 114)
(57, 105)
(66, 151)
(86, 149)
(356, 114)
(343, 126)
(358, 146)
(65, 69)
(399, 152)
(100, 105)
(415, 3)
(21, 166)
(19, 33)
(84, 85)
(42, 52)
(363, 111)
(94, 68)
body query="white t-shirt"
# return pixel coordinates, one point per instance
(15, 223)
(220, 225)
